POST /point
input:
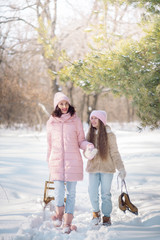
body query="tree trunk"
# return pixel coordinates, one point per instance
(91, 105)
(70, 87)
(128, 110)
(82, 107)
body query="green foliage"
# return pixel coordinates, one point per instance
(127, 67)
(131, 69)
(45, 39)
(152, 6)
(49, 43)
(137, 71)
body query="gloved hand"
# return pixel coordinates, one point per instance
(90, 152)
(122, 173)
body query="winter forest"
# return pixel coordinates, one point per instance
(102, 54)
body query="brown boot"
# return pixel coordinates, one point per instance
(106, 221)
(57, 218)
(67, 226)
(96, 218)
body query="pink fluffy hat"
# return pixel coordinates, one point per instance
(58, 97)
(102, 115)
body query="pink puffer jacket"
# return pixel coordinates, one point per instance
(65, 136)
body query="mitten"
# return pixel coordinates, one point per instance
(90, 152)
(122, 173)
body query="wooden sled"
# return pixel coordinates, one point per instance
(49, 186)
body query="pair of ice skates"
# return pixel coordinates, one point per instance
(125, 202)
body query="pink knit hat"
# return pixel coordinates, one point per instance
(102, 115)
(58, 97)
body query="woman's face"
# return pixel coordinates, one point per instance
(64, 106)
(94, 122)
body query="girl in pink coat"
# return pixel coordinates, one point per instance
(65, 136)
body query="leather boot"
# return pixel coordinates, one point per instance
(106, 221)
(96, 218)
(67, 226)
(57, 218)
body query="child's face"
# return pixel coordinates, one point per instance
(94, 122)
(64, 106)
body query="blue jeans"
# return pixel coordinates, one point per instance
(70, 194)
(105, 179)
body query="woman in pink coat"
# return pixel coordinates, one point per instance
(65, 136)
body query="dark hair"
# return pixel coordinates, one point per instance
(58, 113)
(102, 139)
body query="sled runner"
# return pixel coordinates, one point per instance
(49, 197)
(49, 185)
(125, 202)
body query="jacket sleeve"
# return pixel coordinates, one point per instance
(49, 142)
(82, 142)
(114, 152)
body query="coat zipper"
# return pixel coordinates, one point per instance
(63, 153)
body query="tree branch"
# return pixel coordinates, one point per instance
(15, 19)
(17, 8)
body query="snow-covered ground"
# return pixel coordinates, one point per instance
(23, 172)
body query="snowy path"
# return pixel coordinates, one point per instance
(23, 171)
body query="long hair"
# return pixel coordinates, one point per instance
(58, 113)
(102, 139)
